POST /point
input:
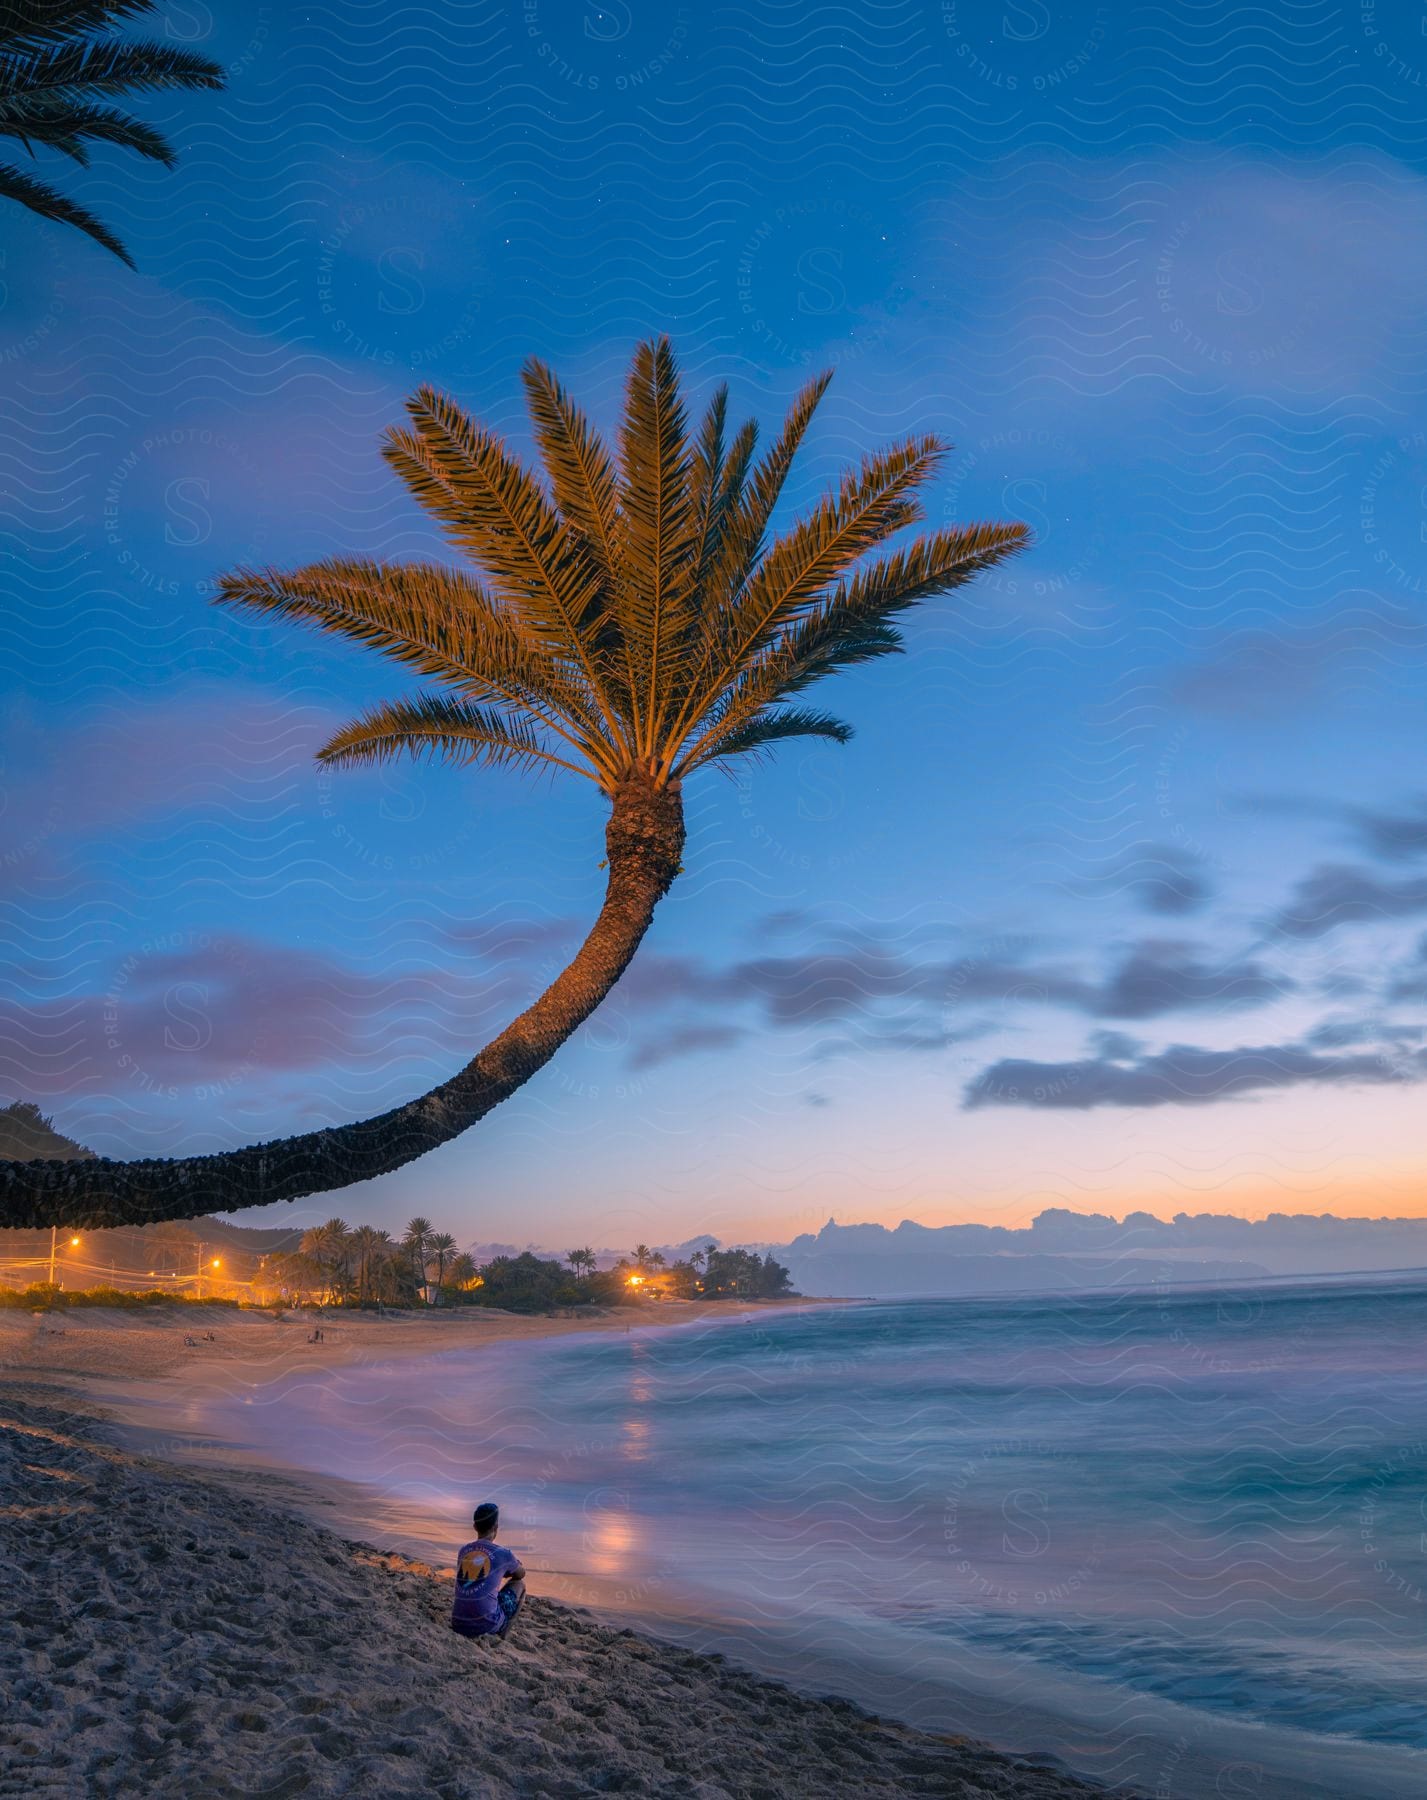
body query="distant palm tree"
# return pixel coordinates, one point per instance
(642, 1254)
(390, 1273)
(330, 1247)
(366, 1243)
(56, 80)
(463, 1272)
(416, 1242)
(582, 1261)
(629, 624)
(443, 1247)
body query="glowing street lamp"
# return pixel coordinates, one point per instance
(54, 1233)
(217, 1263)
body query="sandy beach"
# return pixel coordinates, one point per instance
(150, 1342)
(173, 1631)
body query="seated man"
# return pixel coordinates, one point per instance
(490, 1582)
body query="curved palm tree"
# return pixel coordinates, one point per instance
(629, 624)
(55, 85)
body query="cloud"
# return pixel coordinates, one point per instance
(1167, 975)
(1261, 673)
(1339, 1034)
(1181, 1076)
(684, 1040)
(1167, 880)
(191, 1010)
(1394, 837)
(1257, 269)
(1162, 878)
(212, 747)
(883, 999)
(1339, 894)
(1409, 982)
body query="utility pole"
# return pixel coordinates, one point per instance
(54, 1232)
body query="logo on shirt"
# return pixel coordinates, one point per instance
(474, 1566)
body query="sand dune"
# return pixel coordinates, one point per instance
(165, 1634)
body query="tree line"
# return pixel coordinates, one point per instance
(338, 1264)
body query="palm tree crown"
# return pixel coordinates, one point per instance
(629, 617)
(55, 82)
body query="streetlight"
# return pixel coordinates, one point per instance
(217, 1263)
(74, 1244)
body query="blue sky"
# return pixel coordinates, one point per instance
(1118, 897)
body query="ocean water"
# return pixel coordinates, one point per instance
(1177, 1539)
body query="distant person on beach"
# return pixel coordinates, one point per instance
(490, 1581)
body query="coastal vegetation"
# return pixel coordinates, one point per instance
(43, 1296)
(628, 620)
(57, 85)
(336, 1265)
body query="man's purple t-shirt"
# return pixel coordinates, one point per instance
(481, 1571)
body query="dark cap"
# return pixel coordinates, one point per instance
(486, 1516)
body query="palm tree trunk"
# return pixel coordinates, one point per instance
(644, 839)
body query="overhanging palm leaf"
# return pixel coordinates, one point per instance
(630, 624)
(53, 86)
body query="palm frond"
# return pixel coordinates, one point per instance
(654, 587)
(441, 623)
(732, 489)
(66, 128)
(52, 90)
(851, 624)
(744, 544)
(31, 24)
(105, 69)
(872, 503)
(49, 203)
(936, 564)
(747, 507)
(775, 726)
(582, 473)
(441, 729)
(585, 485)
(495, 511)
(707, 493)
